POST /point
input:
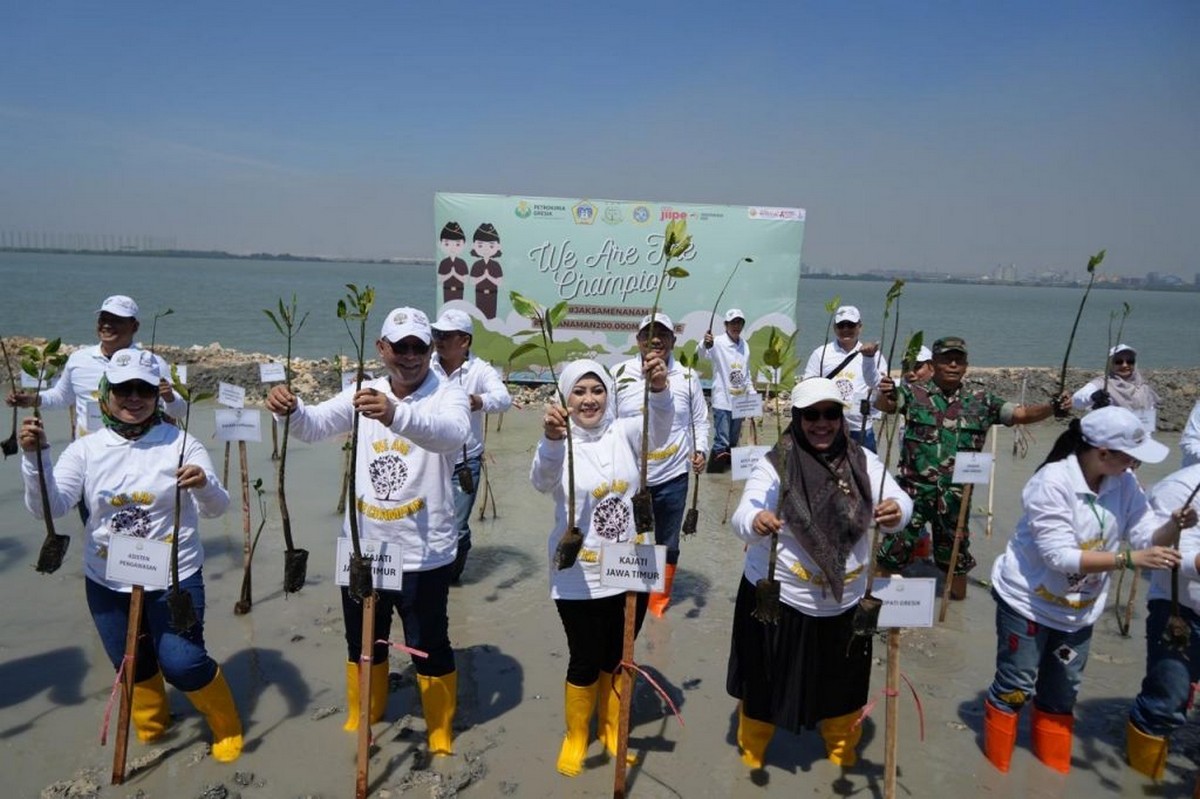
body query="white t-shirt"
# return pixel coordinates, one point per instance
(675, 458)
(802, 583)
(731, 370)
(129, 487)
(1189, 439)
(402, 473)
(481, 378)
(855, 381)
(1168, 496)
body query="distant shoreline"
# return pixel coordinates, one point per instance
(221, 255)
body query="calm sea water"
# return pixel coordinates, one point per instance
(222, 300)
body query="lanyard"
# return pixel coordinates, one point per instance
(1099, 514)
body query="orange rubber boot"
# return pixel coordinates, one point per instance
(999, 735)
(1052, 739)
(658, 602)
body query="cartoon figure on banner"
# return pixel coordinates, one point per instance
(452, 270)
(486, 272)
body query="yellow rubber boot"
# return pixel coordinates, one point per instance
(1147, 753)
(842, 734)
(1052, 739)
(379, 694)
(149, 712)
(579, 704)
(215, 702)
(999, 735)
(753, 736)
(439, 700)
(658, 602)
(608, 710)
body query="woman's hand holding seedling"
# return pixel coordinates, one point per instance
(766, 523)
(281, 401)
(32, 436)
(554, 423)
(374, 404)
(191, 476)
(165, 391)
(21, 399)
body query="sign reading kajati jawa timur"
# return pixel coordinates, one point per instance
(604, 257)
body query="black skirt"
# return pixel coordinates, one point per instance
(798, 671)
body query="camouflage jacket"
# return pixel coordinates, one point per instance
(936, 427)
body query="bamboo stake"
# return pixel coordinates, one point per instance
(129, 666)
(624, 677)
(364, 698)
(964, 512)
(987, 530)
(244, 604)
(225, 470)
(891, 732)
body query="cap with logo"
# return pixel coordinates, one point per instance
(119, 305)
(659, 318)
(734, 313)
(847, 313)
(454, 321)
(1117, 428)
(404, 322)
(1121, 348)
(949, 344)
(132, 364)
(816, 389)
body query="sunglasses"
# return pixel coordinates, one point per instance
(1123, 361)
(846, 325)
(130, 387)
(828, 414)
(410, 348)
(444, 335)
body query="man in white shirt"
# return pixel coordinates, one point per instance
(855, 367)
(1189, 440)
(452, 337)
(413, 425)
(670, 465)
(730, 356)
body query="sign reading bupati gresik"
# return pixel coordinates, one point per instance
(604, 257)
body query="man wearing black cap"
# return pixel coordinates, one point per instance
(941, 419)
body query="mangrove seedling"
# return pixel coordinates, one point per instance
(9, 444)
(243, 604)
(356, 307)
(179, 603)
(154, 325)
(43, 363)
(1101, 398)
(690, 361)
(295, 560)
(571, 542)
(1093, 262)
(830, 309)
(712, 316)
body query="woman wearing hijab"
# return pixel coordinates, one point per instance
(1085, 516)
(606, 476)
(127, 474)
(1125, 388)
(808, 669)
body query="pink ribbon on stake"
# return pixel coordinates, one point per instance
(628, 664)
(112, 697)
(417, 653)
(867, 708)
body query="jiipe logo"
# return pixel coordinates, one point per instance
(668, 214)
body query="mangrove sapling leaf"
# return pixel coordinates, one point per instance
(43, 363)
(1093, 262)
(1101, 398)
(567, 551)
(243, 604)
(295, 560)
(9, 445)
(912, 351)
(712, 316)
(179, 603)
(356, 307)
(154, 325)
(831, 309)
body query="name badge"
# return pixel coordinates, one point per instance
(231, 396)
(138, 561)
(238, 424)
(747, 406)
(386, 564)
(743, 460)
(272, 372)
(633, 567)
(87, 414)
(972, 467)
(907, 601)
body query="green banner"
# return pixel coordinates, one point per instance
(604, 257)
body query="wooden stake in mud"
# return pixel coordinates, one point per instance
(364, 698)
(987, 529)
(964, 513)
(244, 603)
(623, 680)
(129, 669)
(225, 470)
(890, 751)
(274, 439)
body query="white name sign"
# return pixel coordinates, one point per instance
(29, 381)
(743, 460)
(231, 396)
(387, 570)
(238, 424)
(272, 372)
(972, 467)
(633, 567)
(138, 561)
(87, 414)
(180, 372)
(907, 602)
(747, 406)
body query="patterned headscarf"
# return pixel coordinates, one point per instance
(130, 430)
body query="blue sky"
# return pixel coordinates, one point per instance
(945, 136)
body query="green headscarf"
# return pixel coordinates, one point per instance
(130, 430)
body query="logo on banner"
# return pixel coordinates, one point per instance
(523, 210)
(613, 215)
(776, 214)
(668, 214)
(641, 214)
(584, 213)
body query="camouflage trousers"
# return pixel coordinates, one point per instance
(939, 509)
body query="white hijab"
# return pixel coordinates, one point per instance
(571, 374)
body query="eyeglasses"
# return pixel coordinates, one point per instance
(1123, 361)
(409, 348)
(846, 325)
(828, 414)
(130, 387)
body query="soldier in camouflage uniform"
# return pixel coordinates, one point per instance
(942, 419)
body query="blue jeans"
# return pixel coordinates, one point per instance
(463, 503)
(670, 501)
(1167, 688)
(1036, 661)
(181, 656)
(726, 430)
(865, 437)
(421, 604)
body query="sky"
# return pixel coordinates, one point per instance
(940, 136)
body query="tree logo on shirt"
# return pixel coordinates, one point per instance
(388, 474)
(611, 518)
(132, 520)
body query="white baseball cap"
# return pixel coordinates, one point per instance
(816, 389)
(848, 313)
(1117, 428)
(1121, 348)
(119, 305)
(132, 364)
(734, 313)
(404, 322)
(661, 318)
(453, 321)
(924, 354)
